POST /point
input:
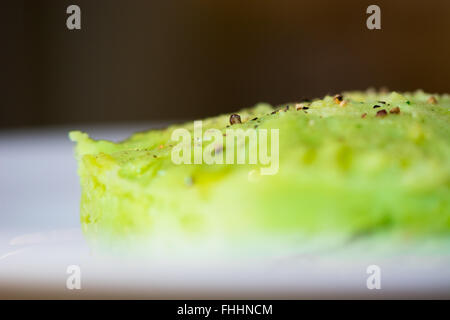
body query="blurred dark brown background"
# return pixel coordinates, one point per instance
(182, 59)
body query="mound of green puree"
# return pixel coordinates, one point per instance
(351, 164)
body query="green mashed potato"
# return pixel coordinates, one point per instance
(360, 163)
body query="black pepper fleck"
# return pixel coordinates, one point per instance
(235, 118)
(338, 98)
(382, 113)
(432, 100)
(395, 110)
